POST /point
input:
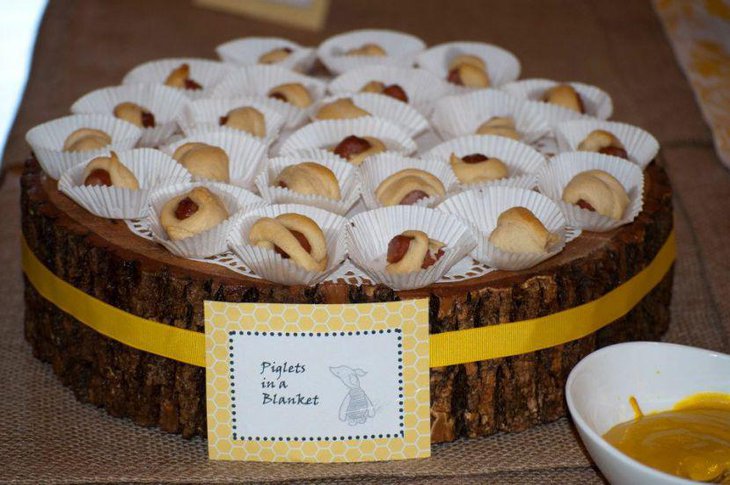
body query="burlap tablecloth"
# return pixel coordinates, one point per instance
(47, 436)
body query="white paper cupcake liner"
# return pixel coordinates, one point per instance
(206, 72)
(561, 170)
(270, 265)
(525, 181)
(248, 50)
(358, 208)
(523, 161)
(406, 117)
(482, 208)
(422, 87)
(464, 269)
(502, 66)
(328, 133)
(345, 173)
(640, 145)
(547, 146)
(427, 140)
(369, 233)
(347, 272)
(596, 102)
(208, 243)
(204, 115)
(246, 153)
(47, 140)
(258, 80)
(151, 167)
(376, 169)
(456, 116)
(247, 200)
(163, 102)
(554, 114)
(401, 49)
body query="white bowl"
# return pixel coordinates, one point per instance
(658, 375)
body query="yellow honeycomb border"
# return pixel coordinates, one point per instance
(411, 316)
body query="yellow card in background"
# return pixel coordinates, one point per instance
(304, 14)
(318, 383)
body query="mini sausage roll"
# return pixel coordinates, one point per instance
(190, 214)
(520, 231)
(412, 251)
(598, 191)
(292, 236)
(408, 187)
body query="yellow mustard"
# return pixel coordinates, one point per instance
(692, 440)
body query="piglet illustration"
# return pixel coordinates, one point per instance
(356, 408)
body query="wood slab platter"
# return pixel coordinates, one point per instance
(104, 259)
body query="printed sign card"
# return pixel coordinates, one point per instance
(318, 383)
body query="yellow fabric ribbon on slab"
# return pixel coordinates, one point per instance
(447, 348)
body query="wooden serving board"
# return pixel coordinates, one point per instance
(104, 259)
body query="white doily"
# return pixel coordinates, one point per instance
(347, 272)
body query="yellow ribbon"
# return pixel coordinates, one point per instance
(494, 341)
(156, 338)
(448, 348)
